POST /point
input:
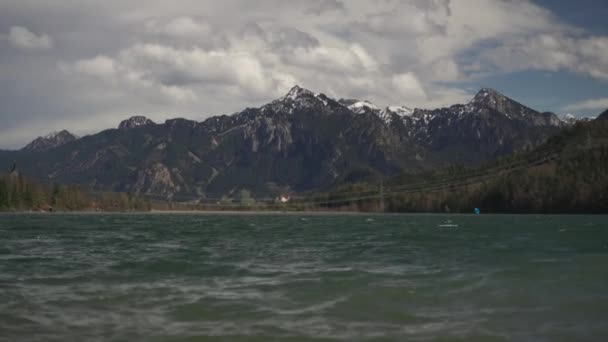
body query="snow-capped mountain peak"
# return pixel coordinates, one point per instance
(570, 119)
(489, 102)
(296, 92)
(299, 98)
(362, 106)
(569, 116)
(59, 135)
(486, 97)
(387, 114)
(401, 110)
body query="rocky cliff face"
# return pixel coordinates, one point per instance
(301, 141)
(134, 122)
(50, 141)
(490, 125)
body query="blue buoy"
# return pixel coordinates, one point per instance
(477, 211)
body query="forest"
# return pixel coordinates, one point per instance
(20, 194)
(567, 174)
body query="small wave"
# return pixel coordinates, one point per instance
(547, 260)
(315, 308)
(167, 245)
(26, 258)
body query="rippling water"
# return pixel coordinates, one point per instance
(295, 277)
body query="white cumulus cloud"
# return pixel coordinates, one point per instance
(408, 86)
(197, 58)
(179, 27)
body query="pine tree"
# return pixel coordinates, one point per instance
(15, 196)
(4, 194)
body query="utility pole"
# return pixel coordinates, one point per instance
(381, 196)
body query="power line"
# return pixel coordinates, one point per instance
(474, 176)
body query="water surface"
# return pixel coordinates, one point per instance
(125, 277)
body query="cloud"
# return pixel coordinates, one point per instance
(319, 7)
(179, 27)
(591, 104)
(408, 18)
(445, 70)
(203, 57)
(588, 56)
(408, 86)
(298, 7)
(23, 38)
(470, 23)
(447, 41)
(272, 36)
(352, 59)
(101, 66)
(114, 73)
(175, 73)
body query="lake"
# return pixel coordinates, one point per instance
(302, 277)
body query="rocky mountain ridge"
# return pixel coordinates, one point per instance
(50, 141)
(300, 142)
(134, 122)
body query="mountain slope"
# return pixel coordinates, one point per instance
(134, 122)
(490, 125)
(50, 141)
(567, 174)
(300, 142)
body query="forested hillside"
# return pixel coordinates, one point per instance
(301, 142)
(567, 174)
(20, 194)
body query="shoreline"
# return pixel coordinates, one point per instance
(281, 213)
(203, 212)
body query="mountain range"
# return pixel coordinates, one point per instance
(303, 141)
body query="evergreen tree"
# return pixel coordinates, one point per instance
(15, 196)
(4, 194)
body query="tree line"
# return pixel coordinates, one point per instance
(568, 174)
(20, 194)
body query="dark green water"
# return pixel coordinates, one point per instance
(299, 278)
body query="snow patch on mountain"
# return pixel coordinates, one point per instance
(571, 119)
(296, 92)
(298, 98)
(401, 110)
(362, 107)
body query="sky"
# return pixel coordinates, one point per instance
(86, 65)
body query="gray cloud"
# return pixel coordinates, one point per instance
(87, 67)
(591, 104)
(22, 38)
(319, 7)
(554, 52)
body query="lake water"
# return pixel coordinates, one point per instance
(298, 277)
